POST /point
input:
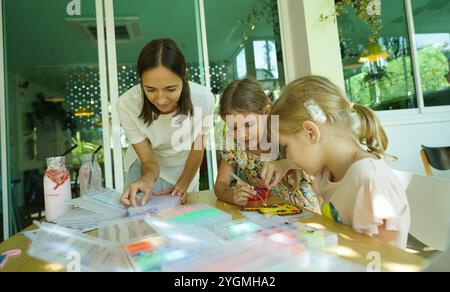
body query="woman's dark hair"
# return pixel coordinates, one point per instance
(164, 52)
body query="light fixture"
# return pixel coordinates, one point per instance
(54, 99)
(374, 52)
(83, 112)
(101, 123)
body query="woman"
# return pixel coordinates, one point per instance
(151, 113)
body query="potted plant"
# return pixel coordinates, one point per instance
(367, 11)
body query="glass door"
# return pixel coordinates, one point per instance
(136, 22)
(4, 225)
(244, 40)
(2, 195)
(53, 96)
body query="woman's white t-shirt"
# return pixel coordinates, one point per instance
(165, 130)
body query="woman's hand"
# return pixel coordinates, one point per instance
(180, 189)
(144, 185)
(274, 171)
(242, 193)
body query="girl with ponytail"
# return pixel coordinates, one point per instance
(342, 145)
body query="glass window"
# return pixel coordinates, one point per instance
(244, 34)
(52, 97)
(142, 19)
(232, 30)
(147, 20)
(243, 41)
(377, 65)
(241, 65)
(432, 27)
(1, 197)
(265, 60)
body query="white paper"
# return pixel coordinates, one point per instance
(104, 202)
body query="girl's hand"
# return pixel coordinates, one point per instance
(179, 189)
(144, 185)
(274, 171)
(242, 193)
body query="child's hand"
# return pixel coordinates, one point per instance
(274, 171)
(242, 193)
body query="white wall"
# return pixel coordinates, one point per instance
(310, 46)
(405, 142)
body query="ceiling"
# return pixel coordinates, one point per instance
(39, 35)
(40, 39)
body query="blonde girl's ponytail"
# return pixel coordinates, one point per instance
(291, 110)
(371, 133)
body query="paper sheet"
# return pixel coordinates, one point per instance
(102, 207)
(104, 202)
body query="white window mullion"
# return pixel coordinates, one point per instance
(103, 78)
(114, 94)
(4, 156)
(212, 141)
(414, 56)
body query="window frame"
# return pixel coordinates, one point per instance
(291, 38)
(421, 114)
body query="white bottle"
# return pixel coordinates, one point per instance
(90, 174)
(57, 189)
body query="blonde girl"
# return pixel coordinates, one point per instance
(343, 145)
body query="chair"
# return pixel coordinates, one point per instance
(436, 157)
(429, 200)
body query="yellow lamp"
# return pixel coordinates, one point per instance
(373, 52)
(54, 99)
(80, 112)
